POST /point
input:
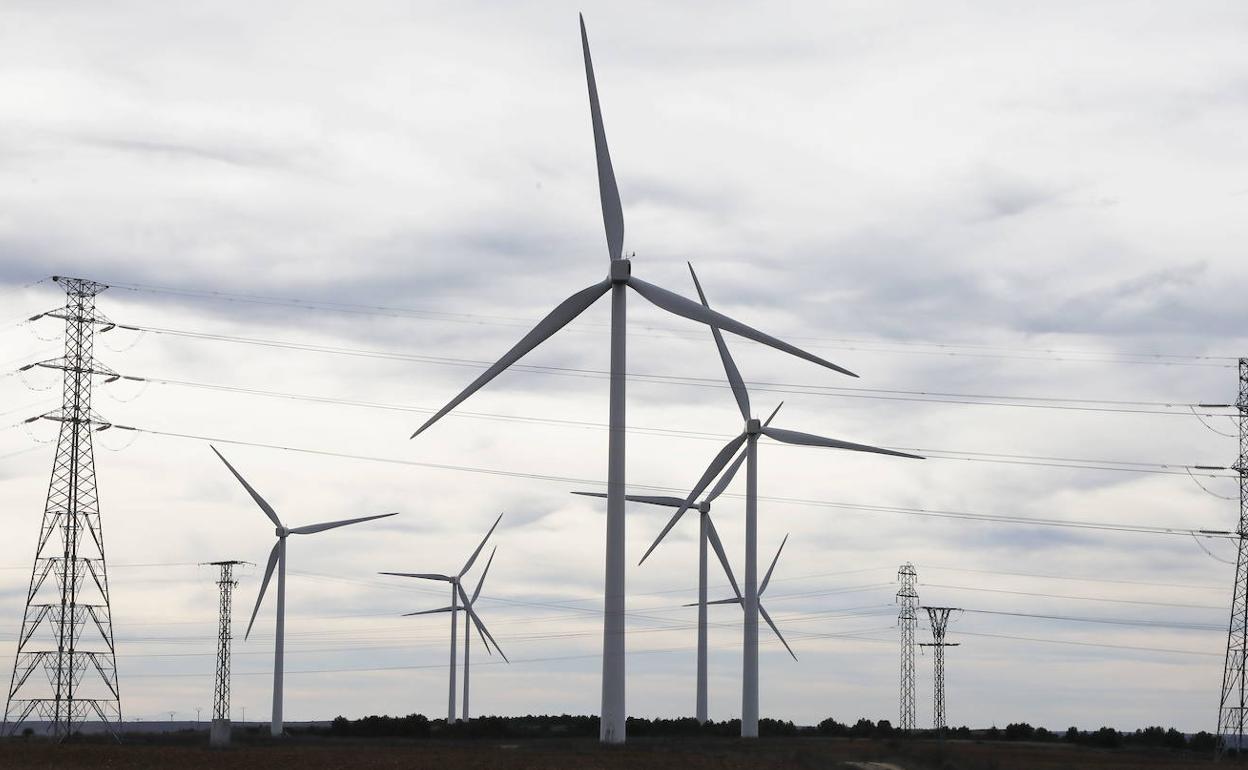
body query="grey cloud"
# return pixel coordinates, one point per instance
(233, 155)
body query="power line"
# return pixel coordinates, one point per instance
(1091, 644)
(918, 396)
(1129, 466)
(940, 348)
(647, 612)
(1185, 605)
(1107, 621)
(960, 515)
(1073, 577)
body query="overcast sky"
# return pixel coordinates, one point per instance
(1055, 190)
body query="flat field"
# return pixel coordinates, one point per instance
(679, 754)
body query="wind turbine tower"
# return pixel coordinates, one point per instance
(67, 628)
(219, 733)
(939, 619)
(907, 620)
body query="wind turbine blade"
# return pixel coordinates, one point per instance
(670, 502)
(264, 584)
(776, 631)
(666, 500)
(772, 416)
(484, 572)
(612, 213)
(428, 612)
(726, 479)
(718, 546)
(314, 528)
(734, 600)
(554, 321)
(468, 564)
(260, 501)
(484, 642)
(767, 578)
(730, 366)
(716, 466)
(476, 620)
(807, 439)
(674, 303)
(421, 575)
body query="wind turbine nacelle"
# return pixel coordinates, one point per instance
(621, 270)
(753, 426)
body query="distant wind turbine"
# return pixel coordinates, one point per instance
(459, 595)
(277, 558)
(613, 712)
(707, 535)
(749, 437)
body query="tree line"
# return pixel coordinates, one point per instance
(579, 726)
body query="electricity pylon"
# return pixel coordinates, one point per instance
(219, 734)
(907, 619)
(939, 619)
(1231, 708)
(67, 627)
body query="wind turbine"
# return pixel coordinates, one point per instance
(277, 558)
(749, 437)
(457, 595)
(706, 535)
(619, 276)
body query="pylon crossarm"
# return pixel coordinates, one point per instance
(29, 669)
(29, 706)
(49, 562)
(104, 627)
(95, 576)
(107, 676)
(34, 624)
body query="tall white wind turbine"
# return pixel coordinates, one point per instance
(749, 437)
(613, 711)
(458, 595)
(277, 558)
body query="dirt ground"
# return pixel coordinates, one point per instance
(691, 754)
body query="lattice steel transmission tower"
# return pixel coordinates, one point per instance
(220, 731)
(1232, 706)
(907, 619)
(67, 628)
(939, 619)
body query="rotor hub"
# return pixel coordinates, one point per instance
(621, 269)
(704, 507)
(753, 427)
(281, 531)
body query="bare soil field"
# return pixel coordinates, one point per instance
(691, 754)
